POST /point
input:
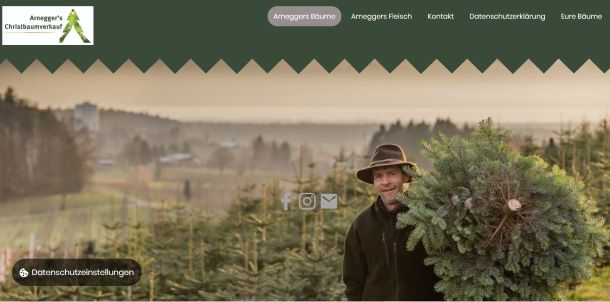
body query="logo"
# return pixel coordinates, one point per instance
(307, 201)
(47, 25)
(328, 201)
(286, 200)
(73, 23)
(23, 273)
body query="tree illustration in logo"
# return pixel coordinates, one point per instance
(73, 22)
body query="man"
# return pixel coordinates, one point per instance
(376, 263)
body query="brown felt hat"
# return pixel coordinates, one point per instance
(385, 155)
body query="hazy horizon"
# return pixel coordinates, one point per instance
(316, 96)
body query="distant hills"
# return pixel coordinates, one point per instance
(117, 126)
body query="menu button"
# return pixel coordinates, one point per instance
(304, 16)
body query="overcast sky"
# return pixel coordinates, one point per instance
(314, 95)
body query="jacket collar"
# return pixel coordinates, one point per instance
(382, 209)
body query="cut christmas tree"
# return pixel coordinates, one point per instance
(499, 225)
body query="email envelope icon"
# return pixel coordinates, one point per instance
(328, 201)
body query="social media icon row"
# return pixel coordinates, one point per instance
(308, 202)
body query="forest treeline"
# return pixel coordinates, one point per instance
(39, 155)
(139, 151)
(411, 135)
(261, 154)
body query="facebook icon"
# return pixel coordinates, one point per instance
(286, 200)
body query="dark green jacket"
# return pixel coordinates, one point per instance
(376, 264)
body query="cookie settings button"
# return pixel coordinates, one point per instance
(304, 16)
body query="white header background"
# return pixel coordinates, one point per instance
(16, 15)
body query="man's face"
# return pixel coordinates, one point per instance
(389, 181)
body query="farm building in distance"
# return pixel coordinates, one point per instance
(180, 159)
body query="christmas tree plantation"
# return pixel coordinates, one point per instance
(499, 225)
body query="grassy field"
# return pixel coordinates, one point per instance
(596, 289)
(81, 219)
(210, 189)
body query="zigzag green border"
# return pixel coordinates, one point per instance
(359, 66)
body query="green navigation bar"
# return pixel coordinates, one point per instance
(358, 31)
